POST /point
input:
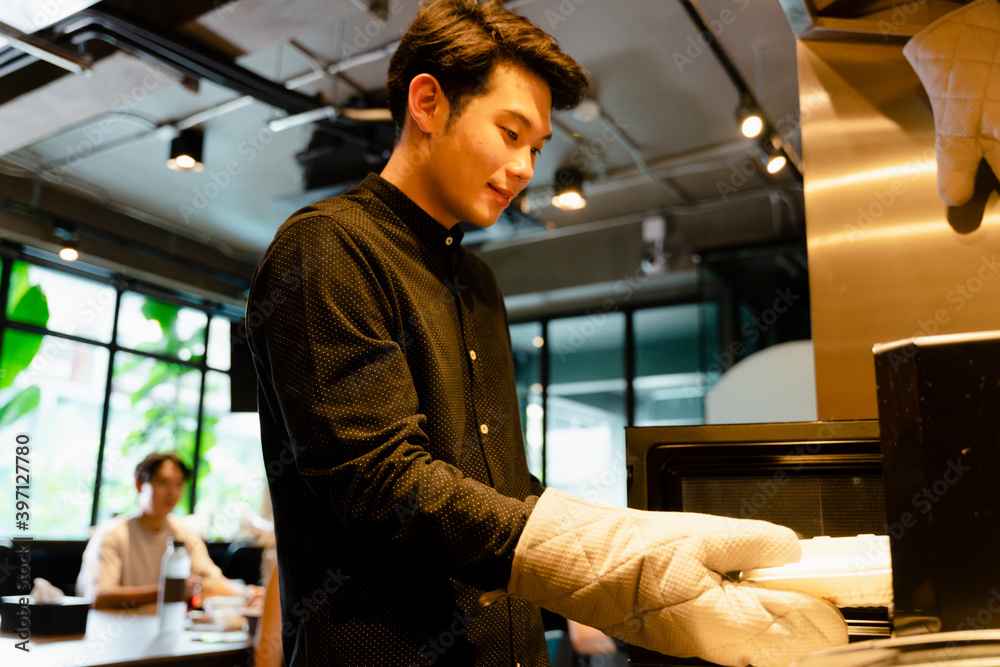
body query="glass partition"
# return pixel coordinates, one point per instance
(585, 439)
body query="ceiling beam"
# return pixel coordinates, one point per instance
(31, 210)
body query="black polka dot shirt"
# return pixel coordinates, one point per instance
(391, 437)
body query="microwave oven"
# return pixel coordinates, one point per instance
(817, 478)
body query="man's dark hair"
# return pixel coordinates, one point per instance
(460, 43)
(150, 465)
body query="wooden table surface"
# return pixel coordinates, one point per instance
(129, 637)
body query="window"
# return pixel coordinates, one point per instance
(57, 401)
(76, 307)
(669, 386)
(585, 436)
(231, 463)
(151, 325)
(154, 408)
(526, 344)
(56, 356)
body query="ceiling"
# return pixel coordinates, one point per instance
(668, 143)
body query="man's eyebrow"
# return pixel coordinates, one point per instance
(524, 120)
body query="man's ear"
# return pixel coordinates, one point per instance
(427, 104)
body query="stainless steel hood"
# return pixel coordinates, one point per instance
(885, 263)
(863, 20)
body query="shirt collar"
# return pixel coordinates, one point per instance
(414, 217)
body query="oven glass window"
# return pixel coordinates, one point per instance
(837, 504)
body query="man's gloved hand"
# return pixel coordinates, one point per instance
(958, 60)
(656, 579)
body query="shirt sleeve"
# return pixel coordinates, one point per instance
(331, 350)
(101, 568)
(202, 564)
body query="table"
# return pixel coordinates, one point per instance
(129, 638)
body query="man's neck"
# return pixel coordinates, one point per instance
(153, 523)
(405, 170)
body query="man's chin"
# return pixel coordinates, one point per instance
(484, 222)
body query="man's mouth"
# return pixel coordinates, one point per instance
(502, 196)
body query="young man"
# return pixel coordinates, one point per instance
(121, 564)
(389, 417)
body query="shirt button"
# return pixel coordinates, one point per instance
(472, 353)
(447, 241)
(484, 429)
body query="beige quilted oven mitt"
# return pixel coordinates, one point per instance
(958, 60)
(654, 579)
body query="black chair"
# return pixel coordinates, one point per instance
(57, 561)
(243, 561)
(8, 568)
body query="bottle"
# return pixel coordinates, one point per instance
(171, 604)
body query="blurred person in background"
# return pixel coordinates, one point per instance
(121, 564)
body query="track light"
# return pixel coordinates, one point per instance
(771, 154)
(304, 118)
(186, 151)
(569, 190)
(68, 237)
(750, 118)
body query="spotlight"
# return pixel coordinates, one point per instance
(751, 121)
(186, 151)
(588, 110)
(68, 237)
(569, 190)
(771, 154)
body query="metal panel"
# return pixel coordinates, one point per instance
(864, 20)
(884, 262)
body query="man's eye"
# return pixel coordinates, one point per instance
(536, 151)
(511, 133)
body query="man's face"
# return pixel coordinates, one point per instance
(159, 495)
(487, 156)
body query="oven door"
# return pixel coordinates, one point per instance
(817, 478)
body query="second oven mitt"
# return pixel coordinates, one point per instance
(657, 580)
(957, 59)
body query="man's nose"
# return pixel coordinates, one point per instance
(522, 170)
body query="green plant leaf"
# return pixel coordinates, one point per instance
(164, 313)
(19, 284)
(19, 349)
(32, 307)
(21, 404)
